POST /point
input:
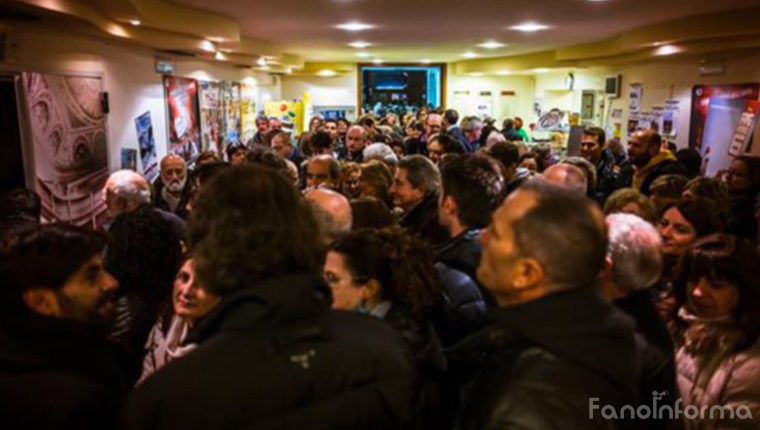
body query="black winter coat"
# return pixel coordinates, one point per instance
(539, 364)
(57, 374)
(423, 221)
(273, 356)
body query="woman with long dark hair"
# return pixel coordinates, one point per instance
(716, 327)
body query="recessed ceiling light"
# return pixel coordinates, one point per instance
(377, 61)
(262, 61)
(326, 73)
(667, 50)
(220, 56)
(355, 26)
(135, 22)
(540, 70)
(288, 70)
(426, 61)
(503, 72)
(529, 27)
(491, 44)
(363, 54)
(208, 46)
(359, 44)
(469, 54)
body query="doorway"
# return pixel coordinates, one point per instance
(11, 156)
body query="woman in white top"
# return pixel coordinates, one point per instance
(190, 302)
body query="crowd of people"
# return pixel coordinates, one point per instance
(422, 271)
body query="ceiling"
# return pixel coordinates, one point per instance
(442, 30)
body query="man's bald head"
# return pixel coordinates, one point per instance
(125, 191)
(332, 211)
(567, 176)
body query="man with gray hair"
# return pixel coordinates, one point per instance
(567, 176)
(472, 129)
(633, 266)
(415, 191)
(332, 212)
(381, 152)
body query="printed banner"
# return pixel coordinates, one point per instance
(147, 146)
(700, 105)
(183, 117)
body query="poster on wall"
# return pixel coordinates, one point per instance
(484, 104)
(66, 127)
(701, 96)
(730, 123)
(290, 114)
(129, 159)
(183, 117)
(248, 111)
(230, 97)
(635, 94)
(670, 118)
(211, 117)
(147, 145)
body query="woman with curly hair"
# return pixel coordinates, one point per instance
(715, 323)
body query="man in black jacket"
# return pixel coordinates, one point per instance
(172, 188)
(553, 347)
(415, 192)
(272, 355)
(610, 176)
(56, 369)
(650, 160)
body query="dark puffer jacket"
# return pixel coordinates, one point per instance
(539, 364)
(273, 356)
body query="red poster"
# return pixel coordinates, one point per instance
(700, 105)
(183, 116)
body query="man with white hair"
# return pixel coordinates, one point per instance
(381, 152)
(126, 191)
(356, 140)
(633, 266)
(567, 176)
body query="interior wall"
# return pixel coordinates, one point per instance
(510, 96)
(128, 74)
(340, 90)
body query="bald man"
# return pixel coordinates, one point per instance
(649, 160)
(333, 213)
(125, 191)
(172, 186)
(567, 176)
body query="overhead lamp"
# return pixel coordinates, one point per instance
(529, 27)
(326, 73)
(220, 56)
(208, 46)
(426, 61)
(288, 70)
(135, 22)
(262, 61)
(363, 54)
(492, 44)
(359, 44)
(667, 50)
(377, 61)
(503, 72)
(355, 26)
(540, 70)
(469, 54)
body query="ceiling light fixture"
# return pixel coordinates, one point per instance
(208, 46)
(540, 70)
(262, 61)
(469, 54)
(426, 61)
(326, 73)
(377, 61)
(355, 26)
(135, 22)
(503, 72)
(492, 44)
(363, 54)
(220, 56)
(360, 44)
(667, 50)
(529, 27)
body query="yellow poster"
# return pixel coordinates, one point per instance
(248, 111)
(291, 114)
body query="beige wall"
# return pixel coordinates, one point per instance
(338, 90)
(128, 75)
(502, 106)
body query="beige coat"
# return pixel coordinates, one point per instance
(723, 380)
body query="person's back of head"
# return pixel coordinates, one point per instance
(20, 206)
(381, 152)
(634, 253)
(332, 212)
(476, 187)
(265, 156)
(667, 189)
(691, 160)
(589, 170)
(567, 176)
(144, 254)
(248, 225)
(506, 153)
(449, 144)
(629, 200)
(451, 116)
(371, 212)
(713, 190)
(125, 191)
(507, 125)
